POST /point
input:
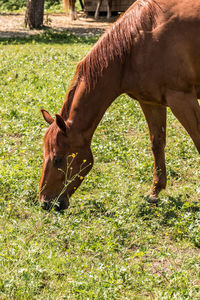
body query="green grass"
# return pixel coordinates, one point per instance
(19, 6)
(109, 244)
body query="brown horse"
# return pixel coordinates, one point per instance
(152, 54)
(109, 6)
(71, 5)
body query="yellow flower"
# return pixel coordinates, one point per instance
(81, 177)
(73, 155)
(84, 160)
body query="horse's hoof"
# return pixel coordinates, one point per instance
(153, 199)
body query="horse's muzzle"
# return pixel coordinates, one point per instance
(61, 204)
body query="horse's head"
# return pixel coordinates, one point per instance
(67, 159)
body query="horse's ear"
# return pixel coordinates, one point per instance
(61, 124)
(48, 118)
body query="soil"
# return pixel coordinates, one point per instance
(12, 25)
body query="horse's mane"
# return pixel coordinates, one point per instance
(116, 42)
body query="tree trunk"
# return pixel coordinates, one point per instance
(34, 14)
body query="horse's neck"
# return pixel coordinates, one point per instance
(89, 106)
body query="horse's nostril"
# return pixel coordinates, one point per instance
(46, 205)
(62, 204)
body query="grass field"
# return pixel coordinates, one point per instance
(109, 244)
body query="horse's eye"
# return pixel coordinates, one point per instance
(57, 161)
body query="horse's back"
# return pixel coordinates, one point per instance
(178, 32)
(184, 9)
(167, 54)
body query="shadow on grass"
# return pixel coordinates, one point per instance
(49, 36)
(169, 209)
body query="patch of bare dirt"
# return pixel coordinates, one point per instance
(12, 25)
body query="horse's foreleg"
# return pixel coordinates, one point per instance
(73, 15)
(109, 5)
(97, 9)
(156, 119)
(66, 6)
(82, 5)
(73, 9)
